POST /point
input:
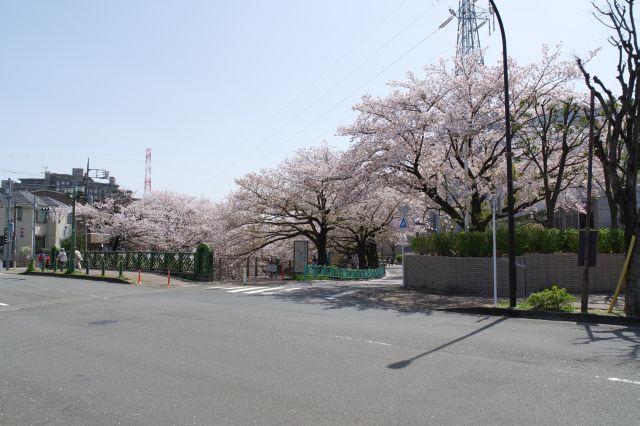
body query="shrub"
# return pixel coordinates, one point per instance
(530, 238)
(554, 299)
(399, 258)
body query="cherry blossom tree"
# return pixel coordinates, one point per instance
(553, 149)
(442, 135)
(302, 197)
(365, 221)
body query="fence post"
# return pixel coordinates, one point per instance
(120, 269)
(103, 266)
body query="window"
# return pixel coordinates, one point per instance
(19, 213)
(42, 216)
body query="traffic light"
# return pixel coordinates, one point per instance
(1, 240)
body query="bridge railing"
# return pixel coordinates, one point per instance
(143, 261)
(334, 273)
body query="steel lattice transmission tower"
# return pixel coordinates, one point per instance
(470, 18)
(147, 172)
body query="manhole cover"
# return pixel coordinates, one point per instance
(103, 322)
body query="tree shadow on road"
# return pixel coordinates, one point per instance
(388, 299)
(630, 335)
(406, 362)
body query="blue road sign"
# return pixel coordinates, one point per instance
(403, 223)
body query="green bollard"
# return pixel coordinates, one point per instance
(103, 266)
(86, 266)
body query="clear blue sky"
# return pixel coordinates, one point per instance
(217, 89)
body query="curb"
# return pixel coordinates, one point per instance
(549, 316)
(79, 277)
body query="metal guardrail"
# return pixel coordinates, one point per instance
(332, 272)
(143, 261)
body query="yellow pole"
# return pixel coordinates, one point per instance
(623, 273)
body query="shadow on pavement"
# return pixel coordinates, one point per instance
(362, 299)
(406, 362)
(630, 335)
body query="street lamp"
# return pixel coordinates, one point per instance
(510, 199)
(74, 193)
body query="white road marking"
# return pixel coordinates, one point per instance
(373, 342)
(283, 291)
(214, 287)
(3, 304)
(615, 379)
(335, 296)
(245, 289)
(233, 288)
(262, 290)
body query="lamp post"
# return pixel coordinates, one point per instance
(510, 198)
(76, 192)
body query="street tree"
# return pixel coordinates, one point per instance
(302, 197)
(442, 135)
(617, 149)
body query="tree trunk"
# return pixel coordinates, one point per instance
(362, 254)
(372, 254)
(548, 223)
(321, 247)
(629, 218)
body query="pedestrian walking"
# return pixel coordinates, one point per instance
(78, 258)
(62, 259)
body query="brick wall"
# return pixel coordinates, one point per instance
(474, 275)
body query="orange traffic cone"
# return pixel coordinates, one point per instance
(139, 279)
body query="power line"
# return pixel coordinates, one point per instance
(316, 120)
(350, 73)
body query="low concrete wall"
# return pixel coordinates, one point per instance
(474, 275)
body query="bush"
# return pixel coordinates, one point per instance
(530, 238)
(399, 258)
(553, 299)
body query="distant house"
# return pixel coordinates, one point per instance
(31, 217)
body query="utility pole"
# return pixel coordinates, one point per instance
(33, 229)
(584, 300)
(510, 198)
(9, 242)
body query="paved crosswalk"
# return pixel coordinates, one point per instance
(256, 290)
(327, 293)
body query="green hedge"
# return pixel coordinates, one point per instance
(529, 239)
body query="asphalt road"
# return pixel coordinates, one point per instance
(76, 352)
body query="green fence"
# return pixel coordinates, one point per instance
(331, 272)
(143, 261)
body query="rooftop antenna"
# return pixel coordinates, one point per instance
(147, 172)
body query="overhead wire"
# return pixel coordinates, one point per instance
(350, 73)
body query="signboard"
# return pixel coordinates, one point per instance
(403, 223)
(404, 211)
(300, 256)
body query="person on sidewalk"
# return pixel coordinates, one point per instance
(78, 258)
(62, 259)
